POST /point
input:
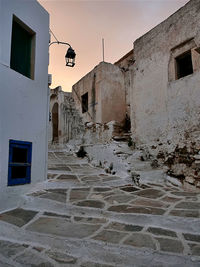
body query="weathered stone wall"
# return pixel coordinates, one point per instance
(126, 61)
(106, 94)
(126, 65)
(101, 133)
(165, 110)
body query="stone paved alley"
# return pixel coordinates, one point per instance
(84, 217)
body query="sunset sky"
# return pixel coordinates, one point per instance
(83, 24)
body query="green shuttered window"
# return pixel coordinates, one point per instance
(22, 49)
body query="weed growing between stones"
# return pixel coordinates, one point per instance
(81, 153)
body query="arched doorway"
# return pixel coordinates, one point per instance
(55, 122)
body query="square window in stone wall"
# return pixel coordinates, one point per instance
(19, 162)
(84, 102)
(184, 60)
(22, 57)
(184, 65)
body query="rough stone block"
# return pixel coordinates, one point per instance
(192, 237)
(188, 205)
(95, 264)
(170, 245)
(68, 177)
(149, 203)
(61, 257)
(55, 196)
(195, 249)
(185, 213)
(91, 204)
(18, 217)
(101, 189)
(119, 198)
(9, 249)
(56, 215)
(184, 194)
(62, 191)
(170, 199)
(28, 258)
(140, 240)
(90, 220)
(141, 210)
(78, 195)
(61, 227)
(150, 193)
(190, 179)
(124, 227)
(59, 168)
(91, 179)
(110, 236)
(161, 231)
(197, 157)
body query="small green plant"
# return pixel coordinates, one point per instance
(81, 153)
(130, 142)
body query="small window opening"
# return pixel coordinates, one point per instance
(22, 57)
(84, 101)
(19, 155)
(18, 172)
(19, 165)
(184, 65)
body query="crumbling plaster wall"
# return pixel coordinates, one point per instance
(126, 65)
(55, 97)
(164, 108)
(109, 103)
(70, 124)
(86, 85)
(112, 94)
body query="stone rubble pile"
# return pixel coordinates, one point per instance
(184, 163)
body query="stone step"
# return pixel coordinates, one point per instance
(141, 165)
(84, 253)
(152, 176)
(120, 138)
(84, 238)
(139, 215)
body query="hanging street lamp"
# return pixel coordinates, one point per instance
(70, 55)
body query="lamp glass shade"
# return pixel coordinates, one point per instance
(70, 57)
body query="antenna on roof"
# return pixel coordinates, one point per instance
(103, 48)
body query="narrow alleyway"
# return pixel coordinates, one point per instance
(84, 217)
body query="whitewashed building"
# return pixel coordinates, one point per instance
(24, 39)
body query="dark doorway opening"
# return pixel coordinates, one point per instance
(84, 101)
(55, 122)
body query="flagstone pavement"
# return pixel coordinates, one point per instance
(82, 216)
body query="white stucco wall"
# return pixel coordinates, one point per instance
(23, 101)
(162, 107)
